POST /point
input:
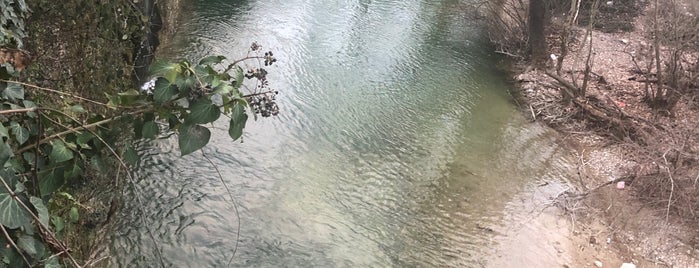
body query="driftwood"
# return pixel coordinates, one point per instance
(597, 111)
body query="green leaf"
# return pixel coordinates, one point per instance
(58, 223)
(42, 211)
(98, 164)
(10, 178)
(184, 84)
(224, 89)
(211, 60)
(11, 258)
(50, 180)
(163, 91)
(52, 263)
(239, 76)
(166, 69)
(29, 157)
(13, 92)
(73, 215)
(59, 152)
(173, 121)
(12, 215)
(5, 153)
(192, 138)
(128, 97)
(30, 245)
(21, 133)
(238, 119)
(130, 156)
(83, 139)
(73, 172)
(3, 132)
(29, 104)
(203, 111)
(78, 109)
(150, 130)
(114, 100)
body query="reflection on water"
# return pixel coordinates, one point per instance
(397, 145)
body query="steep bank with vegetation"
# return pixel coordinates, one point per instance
(619, 80)
(71, 105)
(76, 52)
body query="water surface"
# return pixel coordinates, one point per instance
(397, 146)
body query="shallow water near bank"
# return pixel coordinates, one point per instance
(397, 145)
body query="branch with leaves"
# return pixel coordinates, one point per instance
(43, 149)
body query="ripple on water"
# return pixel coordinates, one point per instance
(397, 145)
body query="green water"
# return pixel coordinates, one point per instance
(397, 141)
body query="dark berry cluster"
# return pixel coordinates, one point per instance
(269, 58)
(264, 104)
(255, 46)
(260, 74)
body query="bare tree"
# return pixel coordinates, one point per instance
(537, 35)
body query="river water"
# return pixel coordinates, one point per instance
(397, 145)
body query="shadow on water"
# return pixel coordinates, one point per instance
(397, 146)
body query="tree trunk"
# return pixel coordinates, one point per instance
(537, 37)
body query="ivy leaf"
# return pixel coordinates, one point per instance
(13, 92)
(30, 245)
(238, 119)
(30, 104)
(166, 69)
(59, 152)
(203, 111)
(150, 130)
(3, 131)
(42, 211)
(20, 132)
(58, 223)
(98, 164)
(128, 97)
(211, 60)
(12, 215)
(50, 179)
(192, 137)
(163, 91)
(239, 75)
(73, 215)
(185, 84)
(78, 109)
(52, 263)
(130, 156)
(73, 172)
(83, 139)
(224, 89)
(5, 153)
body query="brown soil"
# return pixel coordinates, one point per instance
(654, 220)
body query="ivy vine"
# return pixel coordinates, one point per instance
(43, 149)
(47, 145)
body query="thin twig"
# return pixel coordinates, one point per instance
(12, 242)
(233, 64)
(56, 91)
(672, 186)
(76, 129)
(23, 110)
(235, 206)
